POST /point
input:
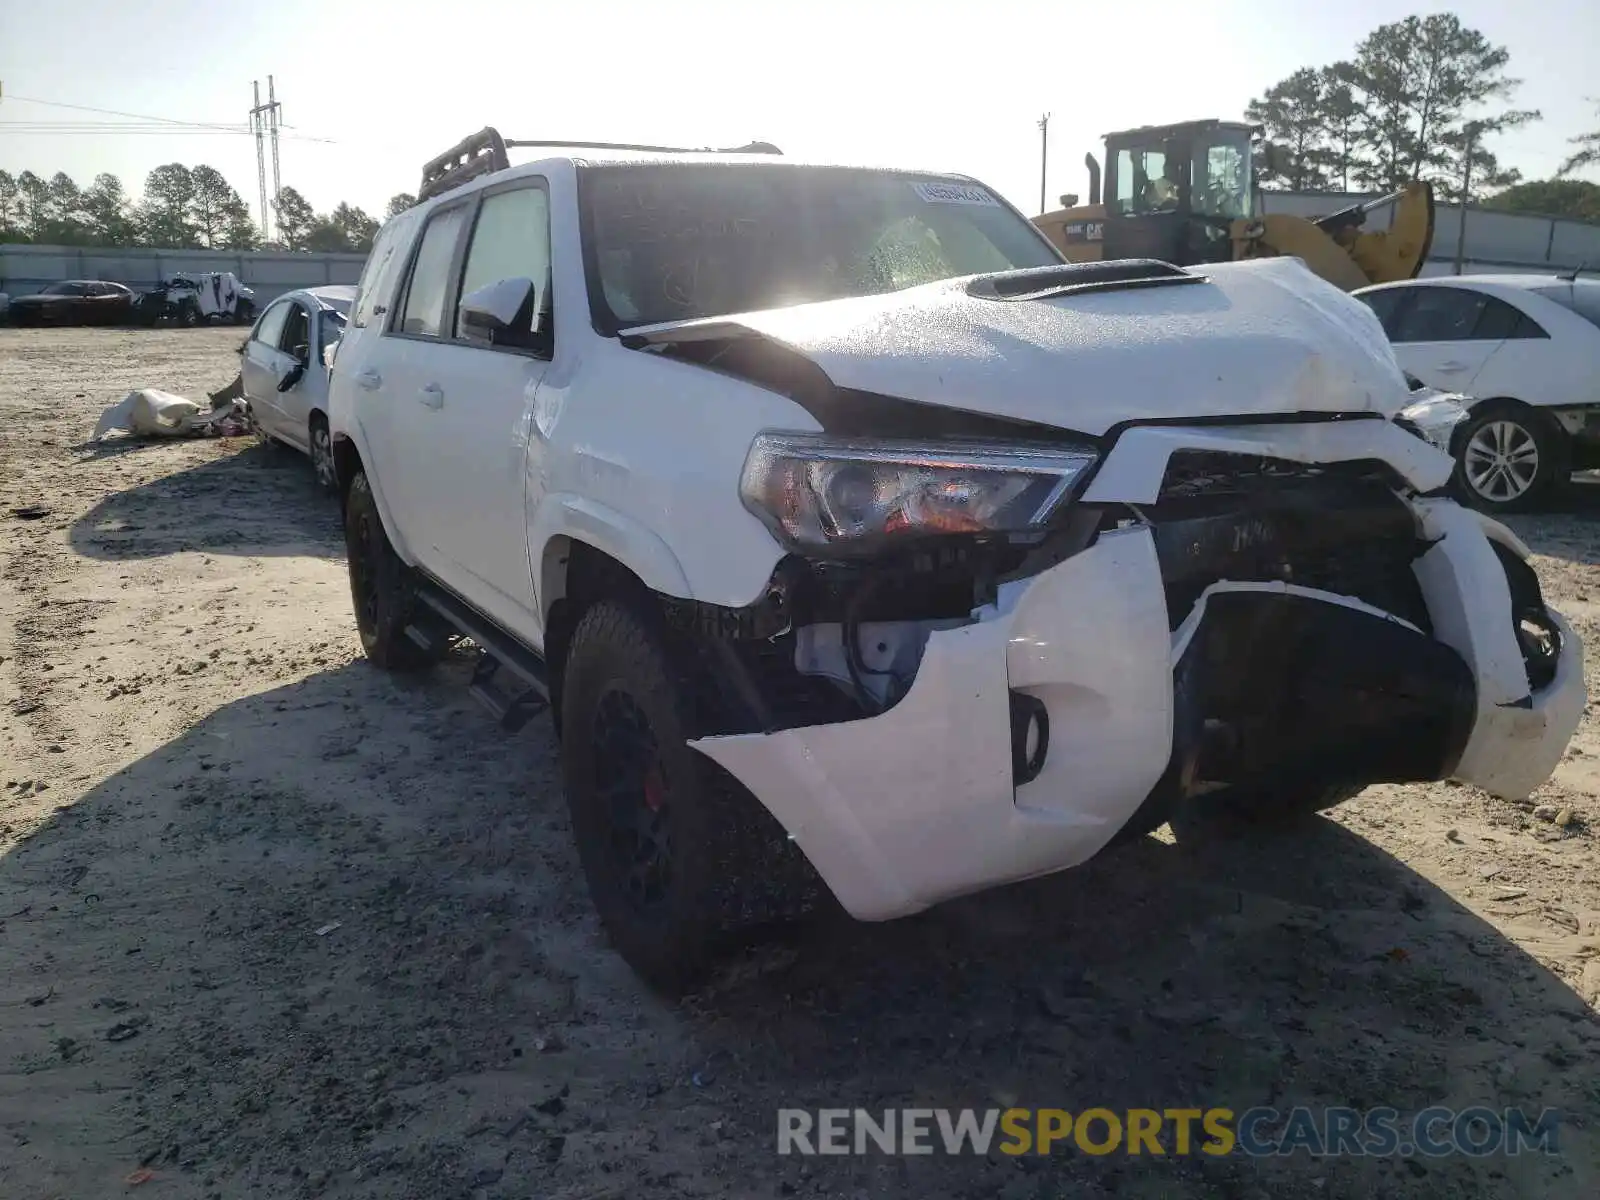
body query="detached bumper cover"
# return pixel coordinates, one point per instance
(1263, 683)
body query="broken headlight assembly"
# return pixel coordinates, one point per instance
(854, 496)
(1434, 419)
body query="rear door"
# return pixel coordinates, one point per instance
(400, 376)
(481, 447)
(1434, 331)
(1525, 364)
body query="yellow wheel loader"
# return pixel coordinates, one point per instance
(1186, 194)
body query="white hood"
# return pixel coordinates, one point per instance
(1264, 337)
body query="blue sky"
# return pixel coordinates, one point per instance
(952, 86)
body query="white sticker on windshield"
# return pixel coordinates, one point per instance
(954, 193)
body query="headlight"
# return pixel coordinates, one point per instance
(851, 496)
(1434, 420)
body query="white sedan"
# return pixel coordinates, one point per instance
(1526, 350)
(284, 373)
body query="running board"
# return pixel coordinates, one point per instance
(509, 679)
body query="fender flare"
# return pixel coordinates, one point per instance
(630, 542)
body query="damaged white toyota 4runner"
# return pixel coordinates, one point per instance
(852, 535)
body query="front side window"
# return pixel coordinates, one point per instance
(1384, 306)
(63, 289)
(269, 329)
(511, 240)
(1440, 314)
(429, 285)
(671, 243)
(296, 337)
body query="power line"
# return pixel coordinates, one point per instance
(144, 118)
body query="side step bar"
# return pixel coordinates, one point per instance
(509, 679)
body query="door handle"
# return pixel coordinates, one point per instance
(369, 380)
(431, 395)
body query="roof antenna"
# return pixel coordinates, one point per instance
(1572, 275)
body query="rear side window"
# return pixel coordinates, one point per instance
(1439, 314)
(1583, 299)
(377, 277)
(1384, 305)
(1500, 320)
(511, 240)
(428, 289)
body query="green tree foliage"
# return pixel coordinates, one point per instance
(1586, 155)
(106, 213)
(398, 203)
(215, 207)
(295, 218)
(1293, 114)
(33, 205)
(1575, 198)
(10, 208)
(165, 216)
(1418, 98)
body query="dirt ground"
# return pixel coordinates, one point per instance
(274, 924)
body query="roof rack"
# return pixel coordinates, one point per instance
(485, 151)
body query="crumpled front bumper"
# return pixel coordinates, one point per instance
(919, 804)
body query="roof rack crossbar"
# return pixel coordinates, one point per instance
(485, 151)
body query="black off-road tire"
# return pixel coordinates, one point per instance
(1233, 812)
(382, 587)
(678, 857)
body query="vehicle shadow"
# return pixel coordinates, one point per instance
(343, 919)
(261, 501)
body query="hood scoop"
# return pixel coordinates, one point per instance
(1069, 279)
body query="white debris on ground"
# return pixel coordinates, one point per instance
(151, 412)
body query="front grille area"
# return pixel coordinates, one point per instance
(1338, 528)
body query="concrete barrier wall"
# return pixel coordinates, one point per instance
(25, 269)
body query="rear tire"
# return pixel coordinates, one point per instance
(382, 587)
(1510, 458)
(675, 853)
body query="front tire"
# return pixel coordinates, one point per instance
(382, 587)
(320, 442)
(1509, 458)
(675, 853)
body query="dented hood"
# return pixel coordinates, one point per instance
(1259, 338)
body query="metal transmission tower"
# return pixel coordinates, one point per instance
(264, 122)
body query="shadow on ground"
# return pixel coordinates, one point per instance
(261, 501)
(343, 922)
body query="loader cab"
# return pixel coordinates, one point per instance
(1173, 191)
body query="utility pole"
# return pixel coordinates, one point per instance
(1044, 157)
(261, 161)
(275, 117)
(1471, 134)
(264, 122)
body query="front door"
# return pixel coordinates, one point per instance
(482, 394)
(260, 365)
(1435, 334)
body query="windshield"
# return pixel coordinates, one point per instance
(1150, 178)
(1221, 174)
(671, 243)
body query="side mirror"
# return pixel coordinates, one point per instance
(499, 312)
(291, 376)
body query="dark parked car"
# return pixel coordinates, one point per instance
(76, 302)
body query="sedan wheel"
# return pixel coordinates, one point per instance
(322, 456)
(1508, 458)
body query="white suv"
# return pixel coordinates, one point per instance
(851, 534)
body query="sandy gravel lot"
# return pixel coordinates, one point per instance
(273, 924)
